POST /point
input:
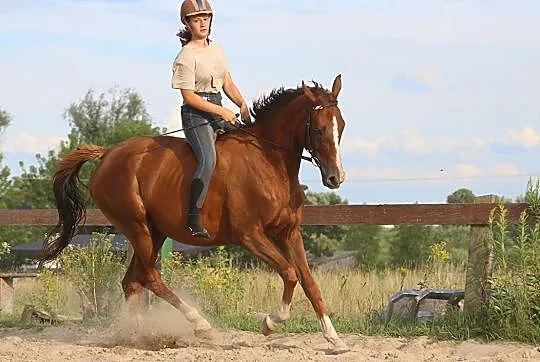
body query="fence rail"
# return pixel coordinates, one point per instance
(384, 214)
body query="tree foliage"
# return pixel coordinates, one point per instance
(365, 240)
(5, 121)
(461, 196)
(323, 240)
(410, 247)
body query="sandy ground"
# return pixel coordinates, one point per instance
(120, 344)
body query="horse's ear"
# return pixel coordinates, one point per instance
(308, 93)
(336, 87)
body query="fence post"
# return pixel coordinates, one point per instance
(6, 294)
(479, 265)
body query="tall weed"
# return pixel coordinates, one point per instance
(515, 301)
(217, 284)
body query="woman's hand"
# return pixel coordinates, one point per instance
(228, 115)
(244, 112)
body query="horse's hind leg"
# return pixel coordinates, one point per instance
(133, 288)
(146, 246)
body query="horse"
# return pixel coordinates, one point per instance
(255, 199)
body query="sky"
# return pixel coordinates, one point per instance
(436, 96)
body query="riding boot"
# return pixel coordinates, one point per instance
(194, 222)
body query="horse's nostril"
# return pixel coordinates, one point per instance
(332, 180)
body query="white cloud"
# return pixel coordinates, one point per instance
(400, 174)
(370, 149)
(477, 142)
(29, 143)
(414, 144)
(526, 137)
(505, 169)
(429, 77)
(448, 145)
(375, 173)
(465, 170)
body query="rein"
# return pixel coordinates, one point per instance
(309, 145)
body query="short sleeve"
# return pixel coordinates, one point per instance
(224, 60)
(183, 73)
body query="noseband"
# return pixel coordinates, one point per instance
(312, 135)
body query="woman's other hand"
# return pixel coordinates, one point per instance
(244, 112)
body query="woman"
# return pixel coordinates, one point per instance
(200, 71)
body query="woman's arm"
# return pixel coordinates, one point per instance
(231, 90)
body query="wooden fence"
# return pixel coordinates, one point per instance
(477, 215)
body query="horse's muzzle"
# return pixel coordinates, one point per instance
(332, 178)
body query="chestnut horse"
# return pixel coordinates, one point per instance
(254, 200)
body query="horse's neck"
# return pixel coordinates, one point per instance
(286, 130)
(287, 127)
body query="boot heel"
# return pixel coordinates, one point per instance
(195, 227)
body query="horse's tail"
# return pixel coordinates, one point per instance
(69, 200)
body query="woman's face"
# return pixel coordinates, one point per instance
(199, 25)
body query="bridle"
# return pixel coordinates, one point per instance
(309, 144)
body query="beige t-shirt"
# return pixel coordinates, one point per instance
(200, 69)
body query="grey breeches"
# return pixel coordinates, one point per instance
(199, 128)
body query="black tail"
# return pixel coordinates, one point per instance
(69, 200)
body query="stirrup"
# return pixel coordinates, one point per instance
(198, 231)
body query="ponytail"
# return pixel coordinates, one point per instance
(184, 35)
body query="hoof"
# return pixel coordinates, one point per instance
(206, 334)
(266, 330)
(340, 348)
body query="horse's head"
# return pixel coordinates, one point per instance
(323, 132)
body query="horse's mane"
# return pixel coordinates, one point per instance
(279, 98)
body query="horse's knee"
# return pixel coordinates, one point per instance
(289, 276)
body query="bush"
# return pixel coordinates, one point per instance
(96, 273)
(50, 294)
(217, 284)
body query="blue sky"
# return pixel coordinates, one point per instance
(437, 95)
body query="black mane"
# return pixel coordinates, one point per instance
(278, 98)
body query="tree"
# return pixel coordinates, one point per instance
(457, 238)
(102, 121)
(323, 240)
(461, 196)
(410, 247)
(365, 240)
(5, 121)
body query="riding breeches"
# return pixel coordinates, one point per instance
(199, 128)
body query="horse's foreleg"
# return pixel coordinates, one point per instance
(259, 245)
(295, 248)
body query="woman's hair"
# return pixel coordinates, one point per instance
(185, 34)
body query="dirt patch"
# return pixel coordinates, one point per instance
(109, 344)
(168, 336)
